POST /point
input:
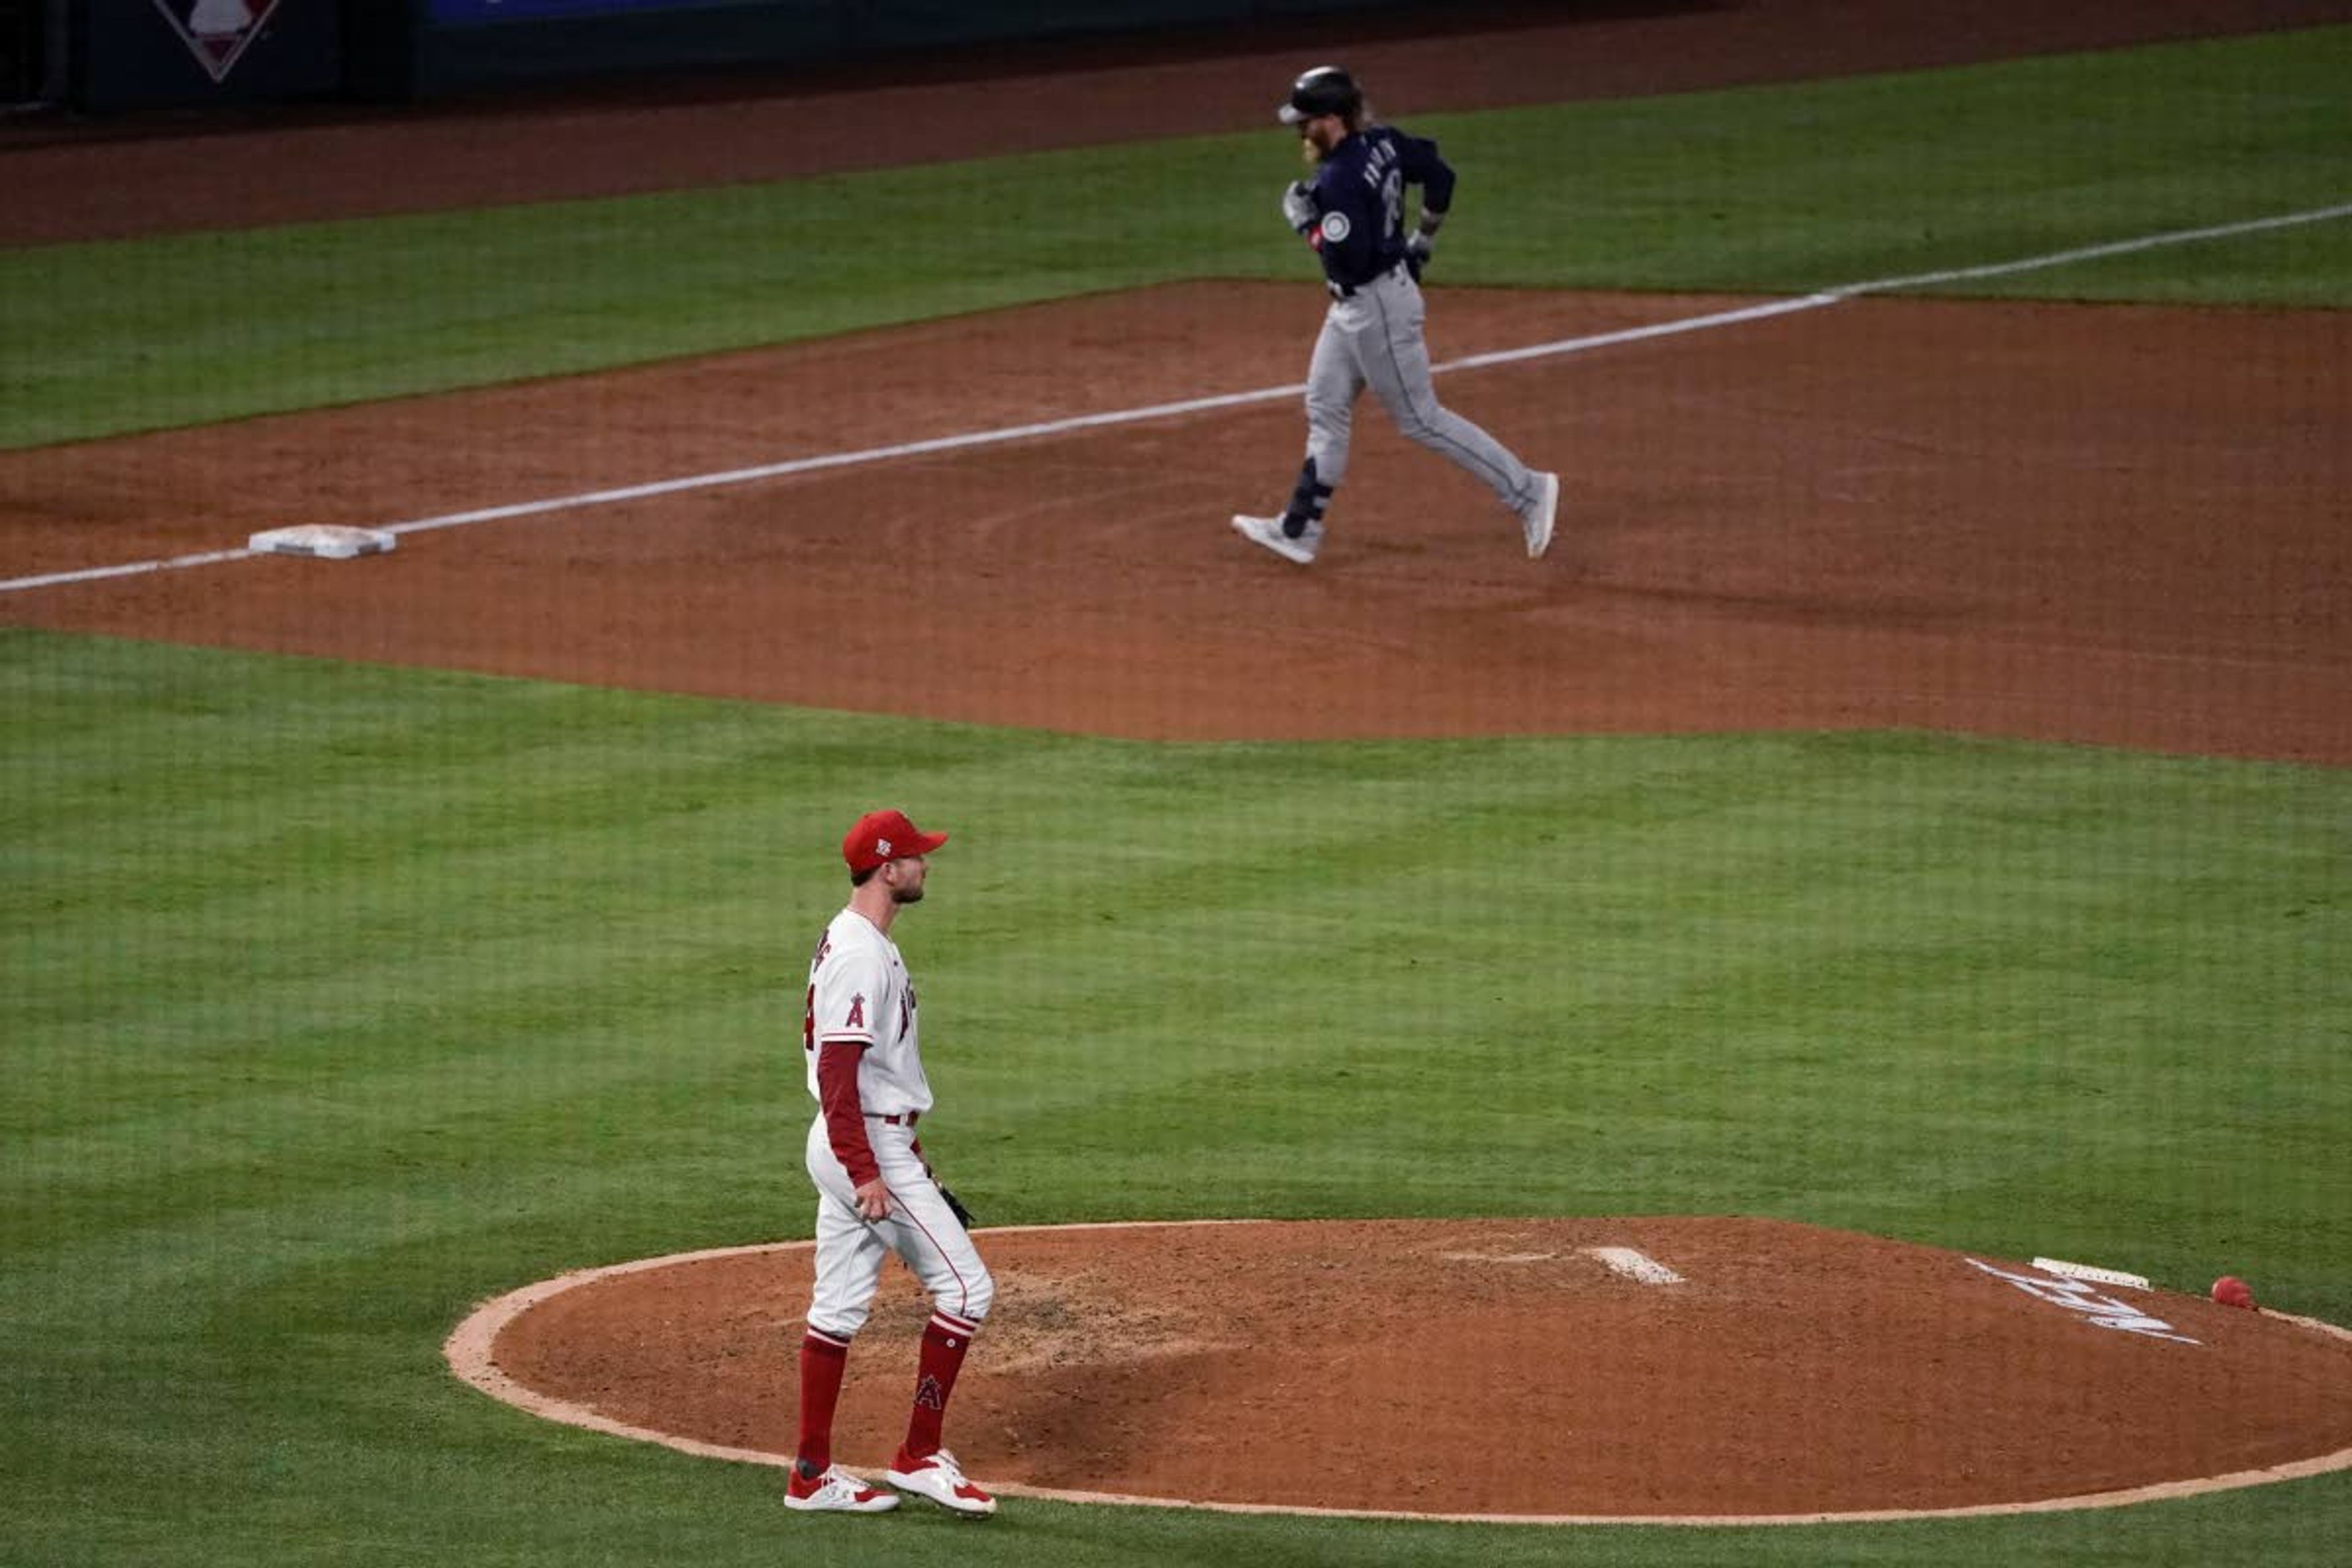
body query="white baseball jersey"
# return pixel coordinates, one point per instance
(859, 991)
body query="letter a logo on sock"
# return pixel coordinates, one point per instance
(927, 1394)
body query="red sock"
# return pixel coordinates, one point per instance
(945, 1340)
(824, 1359)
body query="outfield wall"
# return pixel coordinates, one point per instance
(146, 54)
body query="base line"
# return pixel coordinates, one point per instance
(971, 440)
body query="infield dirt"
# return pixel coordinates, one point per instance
(2114, 524)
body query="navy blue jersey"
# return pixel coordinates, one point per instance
(1360, 191)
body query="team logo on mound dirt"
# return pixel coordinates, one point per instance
(217, 32)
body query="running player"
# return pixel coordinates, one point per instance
(1352, 214)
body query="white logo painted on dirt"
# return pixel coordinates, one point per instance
(217, 32)
(2076, 1296)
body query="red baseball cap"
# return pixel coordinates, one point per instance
(885, 836)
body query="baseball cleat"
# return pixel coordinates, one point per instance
(837, 1492)
(1267, 531)
(940, 1478)
(1537, 524)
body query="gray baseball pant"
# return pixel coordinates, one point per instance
(1374, 339)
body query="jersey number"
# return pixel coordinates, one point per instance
(808, 1008)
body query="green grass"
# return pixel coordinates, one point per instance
(338, 998)
(1796, 188)
(1766, 189)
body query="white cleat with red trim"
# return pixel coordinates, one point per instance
(836, 1492)
(938, 1478)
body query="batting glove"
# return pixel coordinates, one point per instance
(1417, 252)
(1299, 206)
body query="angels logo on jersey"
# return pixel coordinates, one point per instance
(217, 32)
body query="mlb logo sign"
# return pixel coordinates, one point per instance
(217, 31)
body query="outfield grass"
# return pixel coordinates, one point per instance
(339, 998)
(1771, 189)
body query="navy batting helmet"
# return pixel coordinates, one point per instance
(1326, 90)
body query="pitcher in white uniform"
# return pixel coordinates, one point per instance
(875, 1192)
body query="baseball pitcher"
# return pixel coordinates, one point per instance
(1352, 214)
(875, 1192)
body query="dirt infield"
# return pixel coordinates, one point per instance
(2117, 525)
(1494, 1369)
(2113, 524)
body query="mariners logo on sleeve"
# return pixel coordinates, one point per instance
(217, 32)
(1336, 227)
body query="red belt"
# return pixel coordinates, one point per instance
(909, 1120)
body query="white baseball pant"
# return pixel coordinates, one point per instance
(921, 1228)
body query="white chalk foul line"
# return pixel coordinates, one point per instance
(968, 440)
(1841, 294)
(131, 569)
(2114, 247)
(844, 459)
(699, 482)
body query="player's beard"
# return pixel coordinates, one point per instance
(908, 895)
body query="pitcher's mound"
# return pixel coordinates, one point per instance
(1662, 1368)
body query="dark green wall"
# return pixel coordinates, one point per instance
(790, 33)
(125, 54)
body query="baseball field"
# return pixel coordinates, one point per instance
(1910, 804)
